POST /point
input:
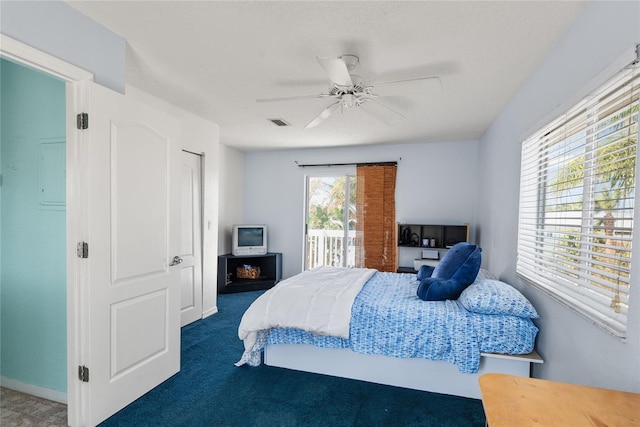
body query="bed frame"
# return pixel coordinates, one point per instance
(417, 374)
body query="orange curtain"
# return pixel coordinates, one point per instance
(376, 217)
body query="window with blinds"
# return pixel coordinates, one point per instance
(577, 196)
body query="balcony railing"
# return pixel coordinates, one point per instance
(327, 247)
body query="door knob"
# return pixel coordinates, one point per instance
(176, 260)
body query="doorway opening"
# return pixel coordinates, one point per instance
(330, 215)
(33, 232)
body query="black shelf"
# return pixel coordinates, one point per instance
(412, 235)
(270, 272)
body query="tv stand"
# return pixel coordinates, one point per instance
(270, 272)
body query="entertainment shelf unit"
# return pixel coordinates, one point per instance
(270, 272)
(415, 235)
(445, 235)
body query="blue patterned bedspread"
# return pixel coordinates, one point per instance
(388, 318)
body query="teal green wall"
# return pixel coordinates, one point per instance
(33, 308)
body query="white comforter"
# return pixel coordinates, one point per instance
(318, 301)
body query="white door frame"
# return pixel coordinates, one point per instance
(76, 79)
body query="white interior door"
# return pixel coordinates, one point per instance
(191, 240)
(131, 331)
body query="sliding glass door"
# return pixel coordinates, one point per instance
(330, 221)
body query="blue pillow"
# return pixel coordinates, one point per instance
(424, 272)
(434, 289)
(456, 258)
(462, 267)
(487, 296)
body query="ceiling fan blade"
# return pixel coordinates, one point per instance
(336, 70)
(323, 115)
(408, 87)
(294, 98)
(381, 112)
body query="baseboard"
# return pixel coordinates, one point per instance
(34, 390)
(209, 312)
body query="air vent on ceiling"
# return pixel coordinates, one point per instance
(279, 122)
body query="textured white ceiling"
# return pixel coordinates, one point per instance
(216, 58)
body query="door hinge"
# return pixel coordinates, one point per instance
(83, 250)
(83, 374)
(82, 121)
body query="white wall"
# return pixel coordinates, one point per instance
(56, 28)
(231, 191)
(201, 137)
(435, 183)
(574, 349)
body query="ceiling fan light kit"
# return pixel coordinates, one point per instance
(351, 61)
(351, 92)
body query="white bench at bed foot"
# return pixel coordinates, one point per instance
(417, 374)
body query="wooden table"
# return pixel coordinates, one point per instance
(519, 401)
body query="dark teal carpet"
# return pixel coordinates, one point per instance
(211, 391)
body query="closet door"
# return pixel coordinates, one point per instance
(191, 239)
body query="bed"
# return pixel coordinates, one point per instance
(377, 330)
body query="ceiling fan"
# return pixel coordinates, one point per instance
(350, 91)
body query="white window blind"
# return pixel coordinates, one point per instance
(577, 194)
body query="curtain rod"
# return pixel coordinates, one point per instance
(348, 164)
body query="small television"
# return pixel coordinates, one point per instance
(249, 240)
